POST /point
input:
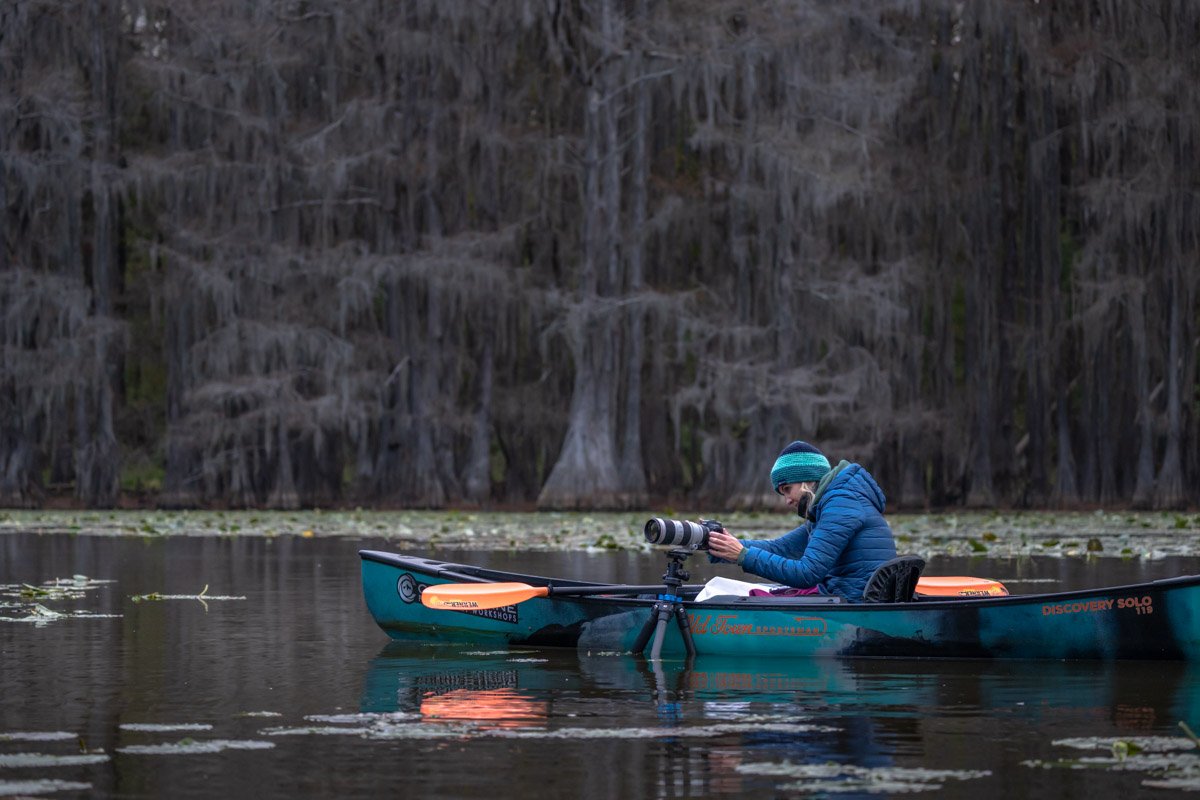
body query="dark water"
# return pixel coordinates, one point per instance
(308, 698)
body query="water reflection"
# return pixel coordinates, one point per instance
(301, 654)
(403, 675)
(724, 725)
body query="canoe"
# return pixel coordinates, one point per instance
(1155, 620)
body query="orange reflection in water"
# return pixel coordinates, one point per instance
(506, 708)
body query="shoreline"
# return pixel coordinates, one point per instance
(986, 534)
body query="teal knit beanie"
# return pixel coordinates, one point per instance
(798, 462)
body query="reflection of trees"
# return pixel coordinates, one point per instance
(588, 252)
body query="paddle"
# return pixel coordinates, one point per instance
(959, 586)
(481, 596)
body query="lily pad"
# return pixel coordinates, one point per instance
(37, 736)
(846, 778)
(43, 786)
(155, 727)
(1100, 534)
(1170, 761)
(195, 747)
(50, 759)
(1146, 744)
(694, 732)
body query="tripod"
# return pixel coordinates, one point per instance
(669, 605)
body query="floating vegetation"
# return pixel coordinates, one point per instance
(43, 786)
(37, 612)
(415, 726)
(1171, 762)
(28, 598)
(383, 730)
(838, 778)
(73, 588)
(316, 730)
(1098, 534)
(36, 736)
(1141, 744)
(154, 727)
(195, 747)
(351, 719)
(694, 732)
(39, 615)
(203, 597)
(50, 759)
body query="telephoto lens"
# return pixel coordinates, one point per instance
(680, 532)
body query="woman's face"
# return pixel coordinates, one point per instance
(796, 494)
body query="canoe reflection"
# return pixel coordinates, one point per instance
(447, 679)
(726, 725)
(503, 708)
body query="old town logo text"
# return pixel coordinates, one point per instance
(728, 625)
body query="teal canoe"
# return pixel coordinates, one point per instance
(1156, 620)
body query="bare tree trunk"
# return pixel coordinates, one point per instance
(1170, 491)
(1066, 486)
(586, 473)
(1042, 268)
(632, 472)
(477, 474)
(283, 493)
(981, 385)
(1143, 489)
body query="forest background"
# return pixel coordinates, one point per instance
(597, 253)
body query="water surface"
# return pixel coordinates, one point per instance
(236, 666)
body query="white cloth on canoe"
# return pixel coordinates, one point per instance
(717, 586)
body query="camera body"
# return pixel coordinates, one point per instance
(680, 532)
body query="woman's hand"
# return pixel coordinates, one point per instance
(724, 546)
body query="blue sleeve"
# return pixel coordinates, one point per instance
(791, 544)
(839, 521)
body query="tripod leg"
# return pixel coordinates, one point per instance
(660, 631)
(685, 630)
(639, 644)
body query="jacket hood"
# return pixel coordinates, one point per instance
(852, 479)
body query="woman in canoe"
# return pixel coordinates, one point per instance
(843, 539)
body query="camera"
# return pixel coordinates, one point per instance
(680, 532)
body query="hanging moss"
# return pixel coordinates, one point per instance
(438, 252)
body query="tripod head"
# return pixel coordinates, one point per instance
(676, 575)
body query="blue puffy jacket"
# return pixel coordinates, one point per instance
(844, 540)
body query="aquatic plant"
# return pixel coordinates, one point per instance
(40, 786)
(838, 778)
(195, 747)
(203, 597)
(1171, 761)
